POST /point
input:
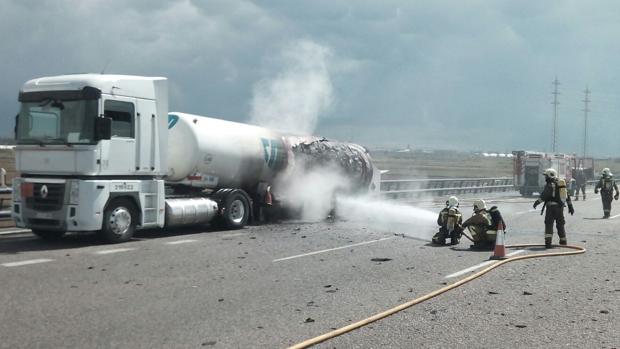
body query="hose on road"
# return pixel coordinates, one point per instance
(335, 333)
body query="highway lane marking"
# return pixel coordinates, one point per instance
(478, 266)
(27, 262)
(180, 242)
(333, 249)
(14, 231)
(116, 250)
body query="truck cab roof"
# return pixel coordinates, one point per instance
(121, 85)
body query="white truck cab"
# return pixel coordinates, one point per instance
(90, 147)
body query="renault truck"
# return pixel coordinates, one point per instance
(101, 153)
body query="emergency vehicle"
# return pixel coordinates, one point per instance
(528, 167)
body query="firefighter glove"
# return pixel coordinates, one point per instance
(616, 196)
(571, 210)
(595, 191)
(536, 203)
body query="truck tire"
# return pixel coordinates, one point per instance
(236, 210)
(48, 234)
(119, 221)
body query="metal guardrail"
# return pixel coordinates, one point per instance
(395, 189)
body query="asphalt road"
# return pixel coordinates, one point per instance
(273, 286)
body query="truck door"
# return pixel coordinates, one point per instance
(147, 146)
(119, 157)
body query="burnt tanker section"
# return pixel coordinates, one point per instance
(351, 160)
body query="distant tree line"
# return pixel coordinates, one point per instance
(7, 140)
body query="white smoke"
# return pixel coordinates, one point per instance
(388, 216)
(311, 192)
(293, 100)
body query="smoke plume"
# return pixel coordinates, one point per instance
(311, 191)
(293, 100)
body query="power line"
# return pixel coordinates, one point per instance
(555, 115)
(586, 101)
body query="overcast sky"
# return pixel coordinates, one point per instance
(432, 74)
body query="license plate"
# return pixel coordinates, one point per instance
(43, 215)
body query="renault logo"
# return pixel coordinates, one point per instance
(44, 191)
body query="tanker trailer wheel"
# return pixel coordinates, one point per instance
(48, 234)
(236, 210)
(119, 221)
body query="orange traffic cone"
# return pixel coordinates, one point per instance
(500, 251)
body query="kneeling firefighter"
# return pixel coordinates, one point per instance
(555, 197)
(606, 184)
(483, 225)
(449, 221)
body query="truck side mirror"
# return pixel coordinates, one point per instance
(103, 128)
(16, 125)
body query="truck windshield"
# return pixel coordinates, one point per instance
(54, 121)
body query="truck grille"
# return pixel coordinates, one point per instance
(39, 222)
(52, 202)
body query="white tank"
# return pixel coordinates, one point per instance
(212, 153)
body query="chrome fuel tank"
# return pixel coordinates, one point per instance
(189, 211)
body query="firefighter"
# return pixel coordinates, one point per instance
(480, 226)
(555, 197)
(572, 188)
(450, 223)
(606, 184)
(580, 179)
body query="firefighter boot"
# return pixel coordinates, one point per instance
(439, 238)
(455, 238)
(562, 234)
(548, 235)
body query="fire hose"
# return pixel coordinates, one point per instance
(386, 313)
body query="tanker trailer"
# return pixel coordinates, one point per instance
(208, 157)
(228, 165)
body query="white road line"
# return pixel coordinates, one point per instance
(14, 231)
(612, 217)
(332, 249)
(30, 261)
(116, 250)
(478, 266)
(180, 242)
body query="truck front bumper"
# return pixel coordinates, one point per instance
(60, 214)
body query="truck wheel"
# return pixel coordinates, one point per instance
(119, 221)
(48, 234)
(235, 211)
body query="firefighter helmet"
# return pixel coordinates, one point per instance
(551, 173)
(479, 204)
(606, 172)
(453, 201)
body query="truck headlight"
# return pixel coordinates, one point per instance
(74, 192)
(17, 190)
